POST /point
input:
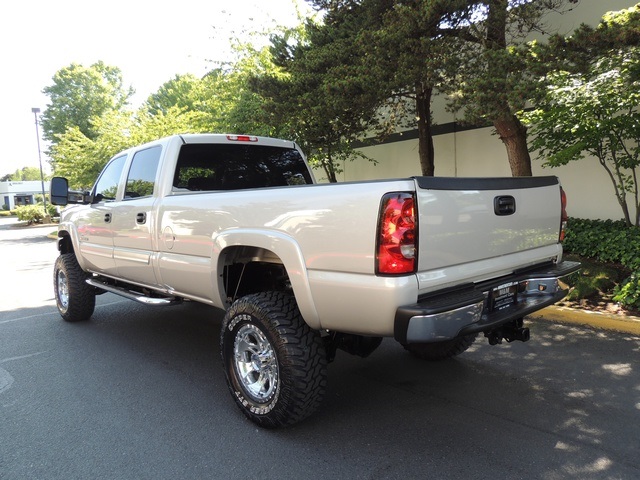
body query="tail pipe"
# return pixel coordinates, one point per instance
(510, 332)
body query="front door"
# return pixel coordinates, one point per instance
(134, 221)
(95, 232)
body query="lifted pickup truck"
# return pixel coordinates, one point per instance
(304, 269)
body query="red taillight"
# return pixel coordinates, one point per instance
(563, 214)
(242, 138)
(397, 234)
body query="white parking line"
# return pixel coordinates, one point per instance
(11, 359)
(45, 314)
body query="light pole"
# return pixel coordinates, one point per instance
(36, 111)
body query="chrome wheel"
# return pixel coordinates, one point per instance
(256, 363)
(63, 290)
(274, 364)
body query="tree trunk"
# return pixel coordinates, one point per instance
(619, 189)
(514, 136)
(425, 139)
(510, 130)
(329, 167)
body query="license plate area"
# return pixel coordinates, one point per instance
(503, 296)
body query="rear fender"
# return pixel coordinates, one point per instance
(285, 248)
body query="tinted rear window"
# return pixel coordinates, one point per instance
(233, 167)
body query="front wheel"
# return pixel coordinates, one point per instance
(275, 365)
(75, 299)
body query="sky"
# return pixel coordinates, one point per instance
(149, 41)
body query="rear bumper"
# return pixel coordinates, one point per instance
(471, 309)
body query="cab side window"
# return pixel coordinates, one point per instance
(107, 185)
(142, 173)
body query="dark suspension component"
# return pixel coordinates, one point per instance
(353, 344)
(510, 332)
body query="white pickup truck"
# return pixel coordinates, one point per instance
(304, 269)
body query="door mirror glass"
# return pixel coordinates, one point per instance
(59, 191)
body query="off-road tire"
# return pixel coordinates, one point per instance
(75, 299)
(274, 364)
(441, 350)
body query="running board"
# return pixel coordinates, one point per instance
(136, 296)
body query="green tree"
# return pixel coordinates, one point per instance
(183, 91)
(222, 99)
(490, 80)
(218, 102)
(373, 66)
(601, 65)
(79, 95)
(301, 104)
(24, 174)
(577, 52)
(80, 159)
(241, 107)
(595, 113)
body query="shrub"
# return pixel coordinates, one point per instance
(594, 278)
(609, 241)
(30, 213)
(604, 240)
(628, 293)
(52, 210)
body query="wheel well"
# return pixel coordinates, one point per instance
(65, 245)
(247, 270)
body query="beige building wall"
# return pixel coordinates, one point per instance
(479, 153)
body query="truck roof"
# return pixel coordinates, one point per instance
(233, 138)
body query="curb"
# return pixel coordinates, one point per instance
(597, 320)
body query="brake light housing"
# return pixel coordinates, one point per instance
(563, 214)
(396, 249)
(242, 138)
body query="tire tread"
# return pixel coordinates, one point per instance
(82, 298)
(303, 364)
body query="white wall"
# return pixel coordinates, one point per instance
(26, 188)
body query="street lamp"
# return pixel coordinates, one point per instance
(36, 111)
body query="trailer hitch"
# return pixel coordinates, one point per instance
(510, 332)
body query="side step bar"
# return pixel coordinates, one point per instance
(136, 296)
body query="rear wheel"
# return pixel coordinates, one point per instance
(75, 299)
(275, 365)
(441, 350)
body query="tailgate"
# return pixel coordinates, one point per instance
(477, 228)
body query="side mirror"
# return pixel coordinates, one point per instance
(59, 191)
(61, 195)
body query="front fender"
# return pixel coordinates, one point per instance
(68, 229)
(280, 244)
